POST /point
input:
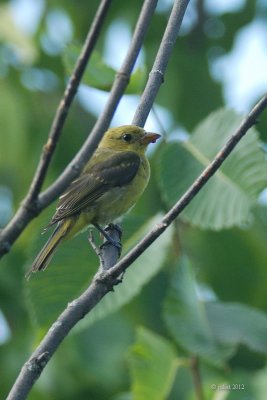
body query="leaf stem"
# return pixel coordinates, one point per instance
(195, 371)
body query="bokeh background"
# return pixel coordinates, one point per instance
(220, 60)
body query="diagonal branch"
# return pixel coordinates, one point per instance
(29, 207)
(66, 101)
(105, 281)
(100, 286)
(29, 210)
(209, 171)
(102, 124)
(156, 76)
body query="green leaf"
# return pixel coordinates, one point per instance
(137, 81)
(13, 131)
(48, 292)
(153, 363)
(228, 197)
(138, 275)
(238, 324)
(233, 262)
(187, 320)
(73, 267)
(99, 74)
(259, 383)
(212, 330)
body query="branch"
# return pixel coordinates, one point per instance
(104, 282)
(209, 171)
(29, 210)
(102, 124)
(65, 103)
(156, 76)
(29, 207)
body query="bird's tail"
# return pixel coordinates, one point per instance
(47, 252)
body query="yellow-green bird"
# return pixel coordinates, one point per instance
(109, 185)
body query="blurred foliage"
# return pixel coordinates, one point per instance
(201, 288)
(99, 74)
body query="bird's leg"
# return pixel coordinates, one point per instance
(109, 239)
(117, 228)
(110, 260)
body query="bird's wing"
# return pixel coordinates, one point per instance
(116, 171)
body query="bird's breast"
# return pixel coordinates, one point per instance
(119, 200)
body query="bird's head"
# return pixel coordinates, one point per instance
(128, 137)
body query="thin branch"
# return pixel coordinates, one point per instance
(209, 171)
(102, 124)
(156, 76)
(100, 285)
(29, 207)
(65, 103)
(28, 211)
(104, 282)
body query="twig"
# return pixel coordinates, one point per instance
(28, 211)
(67, 99)
(102, 284)
(247, 123)
(195, 371)
(156, 76)
(29, 207)
(121, 81)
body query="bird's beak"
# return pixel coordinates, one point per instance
(150, 137)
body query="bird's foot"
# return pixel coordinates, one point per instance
(109, 240)
(115, 227)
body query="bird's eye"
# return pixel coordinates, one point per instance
(127, 137)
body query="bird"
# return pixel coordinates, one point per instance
(108, 187)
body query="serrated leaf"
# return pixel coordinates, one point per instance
(238, 324)
(186, 318)
(99, 74)
(228, 197)
(153, 363)
(138, 275)
(233, 261)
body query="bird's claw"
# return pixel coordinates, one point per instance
(112, 242)
(116, 227)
